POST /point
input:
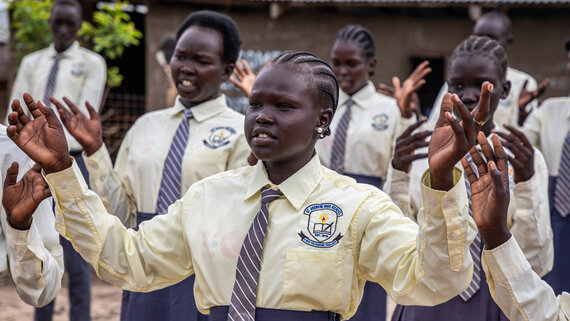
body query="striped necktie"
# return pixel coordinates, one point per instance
(562, 189)
(169, 190)
(242, 303)
(52, 77)
(339, 143)
(475, 247)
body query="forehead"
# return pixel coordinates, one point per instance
(65, 11)
(474, 67)
(346, 48)
(283, 80)
(201, 39)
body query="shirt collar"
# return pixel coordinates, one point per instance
(296, 188)
(203, 111)
(360, 97)
(66, 53)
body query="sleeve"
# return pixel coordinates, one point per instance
(427, 263)
(35, 257)
(111, 185)
(239, 154)
(19, 87)
(533, 125)
(94, 84)
(397, 186)
(154, 257)
(531, 220)
(517, 290)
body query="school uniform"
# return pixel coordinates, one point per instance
(80, 75)
(528, 220)
(518, 290)
(130, 189)
(373, 128)
(202, 234)
(546, 127)
(33, 258)
(508, 109)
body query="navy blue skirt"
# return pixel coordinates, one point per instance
(559, 278)
(173, 303)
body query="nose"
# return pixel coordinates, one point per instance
(343, 70)
(188, 68)
(264, 116)
(470, 95)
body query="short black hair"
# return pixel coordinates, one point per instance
(325, 85)
(483, 46)
(219, 22)
(567, 44)
(361, 37)
(503, 18)
(167, 47)
(72, 3)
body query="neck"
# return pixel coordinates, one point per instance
(278, 172)
(189, 104)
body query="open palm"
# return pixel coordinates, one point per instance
(42, 138)
(20, 199)
(87, 131)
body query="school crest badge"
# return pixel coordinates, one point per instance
(380, 121)
(219, 136)
(78, 69)
(322, 221)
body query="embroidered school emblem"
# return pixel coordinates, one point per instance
(77, 69)
(380, 121)
(219, 136)
(321, 225)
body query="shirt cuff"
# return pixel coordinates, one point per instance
(437, 202)
(68, 183)
(524, 193)
(17, 240)
(99, 159)
(506, 261)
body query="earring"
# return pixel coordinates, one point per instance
(320, 130)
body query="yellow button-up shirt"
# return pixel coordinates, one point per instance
(375, 124)
(325, 238)
(81, 77)
(33, 257)
(518, 291)
(528, 213)
(215, 143)
(547, 126)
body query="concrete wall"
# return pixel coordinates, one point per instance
(399, 36)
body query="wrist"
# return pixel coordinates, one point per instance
(397, 166)
(21, 225)
(495, 237)
(92, 148)
(63, 163)
(441, 180)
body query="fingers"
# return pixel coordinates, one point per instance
(446, 107)
(481, 112)
(468, 170)
(385, 90)
(413, 127)
(520, 135)
(455, 126)
(71, 106)
(32, 107)
(246, 66)
(467, 121)
(501, 159)
(64, 114)
(524, 84)
(19, 115)
(396, 83)
(93, 115)
(11, 175)
(478, 161)
(49, 114)
(485, 147)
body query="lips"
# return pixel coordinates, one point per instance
(186, 85)
(261, 136)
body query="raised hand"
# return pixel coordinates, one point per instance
(87, 131)
(414, 101)
(527, 96)
(451, 139)
(489, 191)
(244, 77)
(523, 153)
(404, 93)
(406, 145)
(20, 199)
(42, 138)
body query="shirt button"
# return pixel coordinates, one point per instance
(446, 204)
(63, 185)
(59, 219)
(431, 203)
(95, 166)
(452, 236)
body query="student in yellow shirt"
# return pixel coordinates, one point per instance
(168, 150)
(287, 238)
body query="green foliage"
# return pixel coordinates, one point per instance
(30, 25)
(114, 77)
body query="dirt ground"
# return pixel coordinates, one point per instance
(105, 302)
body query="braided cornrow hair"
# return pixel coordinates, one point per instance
(324, 81)
(483, 46)
(360, 36)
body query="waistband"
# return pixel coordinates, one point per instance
(364, 179)
(220, 313)
(141, 217)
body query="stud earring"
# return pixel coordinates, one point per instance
(320, 130)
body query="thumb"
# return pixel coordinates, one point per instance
(11, 175)
(396, 83)
(524, 84)
(92, 112)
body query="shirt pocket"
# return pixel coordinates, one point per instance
(312, 280)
